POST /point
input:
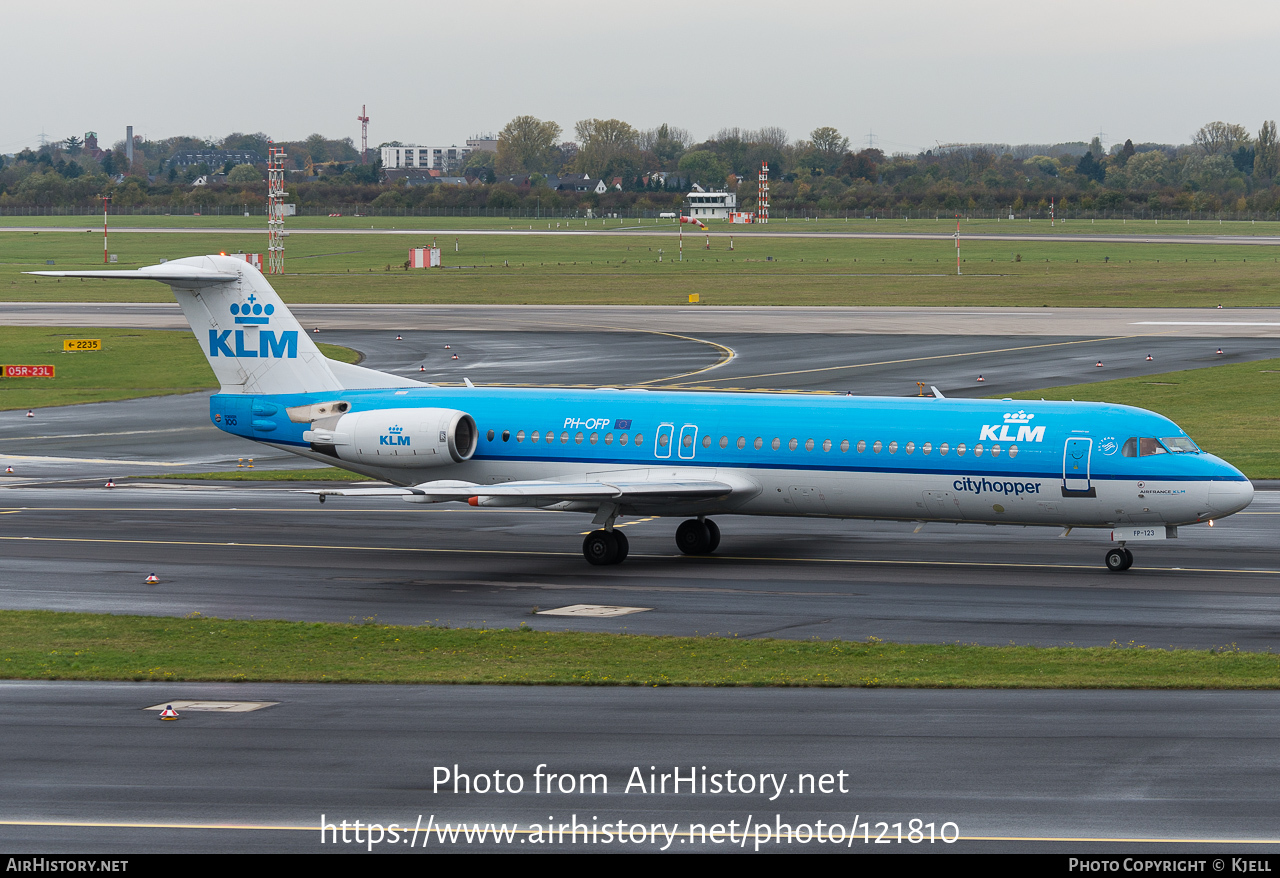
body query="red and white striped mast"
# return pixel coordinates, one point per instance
(105, 199)
(275, 210)
(957, 244)
(762, 196)
(363, 119)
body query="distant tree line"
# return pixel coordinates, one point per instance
(1224, 167)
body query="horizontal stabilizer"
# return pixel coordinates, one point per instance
(181, 275)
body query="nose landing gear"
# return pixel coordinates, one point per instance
(1119, 559)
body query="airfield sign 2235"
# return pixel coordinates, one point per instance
(27, 371)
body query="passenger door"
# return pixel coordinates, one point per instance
(1076, 478)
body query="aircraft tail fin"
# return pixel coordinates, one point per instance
(253, 342)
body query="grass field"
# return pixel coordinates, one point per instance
(1229, 410)
(617, 269)
(931, 224)
(80, 646)
(132, 363)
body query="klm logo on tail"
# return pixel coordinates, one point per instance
(253, 313)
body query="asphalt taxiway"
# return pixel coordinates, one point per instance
(268, 552)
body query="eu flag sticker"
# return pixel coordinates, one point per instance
(620, 424)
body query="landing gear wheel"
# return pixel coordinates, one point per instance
(1119, 559)
(693, 537)
(714, 530)
(600, 548)
(623, 546)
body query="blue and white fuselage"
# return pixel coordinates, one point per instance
(613, 453)
(1049, 463)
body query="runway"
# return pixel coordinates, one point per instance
(91, 770)
(672, 231)
(1136, 323)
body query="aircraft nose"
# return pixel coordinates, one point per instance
(1230, 497)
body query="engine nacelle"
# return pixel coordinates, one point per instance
(398, 437)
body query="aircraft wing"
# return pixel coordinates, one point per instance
(622, 489)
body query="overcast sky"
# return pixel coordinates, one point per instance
(437, 73)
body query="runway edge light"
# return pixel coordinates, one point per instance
(168, 712)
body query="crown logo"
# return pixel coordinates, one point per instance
(396, 430)
(252, 312)
(1018, 417)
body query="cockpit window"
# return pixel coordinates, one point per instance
(1130, 448)
(1179, 444)
(1148, 446)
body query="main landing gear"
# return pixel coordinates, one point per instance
(698, 536)
(1119, 559)
(603, 547)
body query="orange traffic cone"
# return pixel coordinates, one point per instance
(152, 579)
(168, 712)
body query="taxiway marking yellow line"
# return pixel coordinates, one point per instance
(408, 830)
(935, 357)
(882, 562)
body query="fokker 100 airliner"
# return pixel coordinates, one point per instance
(610, 453)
